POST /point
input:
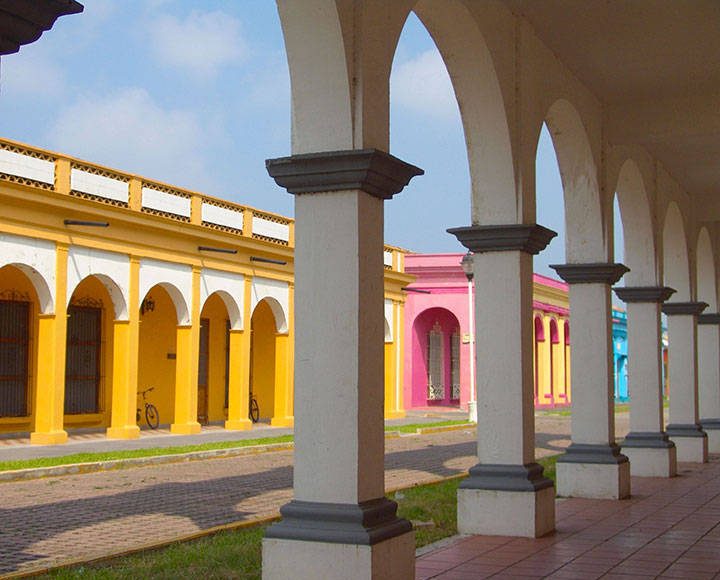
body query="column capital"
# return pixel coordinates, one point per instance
(529, 238)
(644, 293)
(686, 308)
(709, 318)
(595, 273)
(373, 171)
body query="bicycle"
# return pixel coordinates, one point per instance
(152, 417)
(254, 409)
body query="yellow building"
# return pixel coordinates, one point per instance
(111, 284)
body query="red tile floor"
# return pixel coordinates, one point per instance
(670, 528)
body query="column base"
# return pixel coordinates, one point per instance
(650, 454)
(48, 437)
(506, 500)
(593, 472)
(185, 428)
(691, 442)
(327, 540)
(712, 428)
(282, 422)
(238, 425)
(127, 432)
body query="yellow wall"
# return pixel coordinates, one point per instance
(158, 330)
(215, 311)
(263, 359)
(13, 279)
(94, 289)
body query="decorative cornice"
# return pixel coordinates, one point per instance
(709, 318)
(366, 523)
(22, 22)
(596, 273)
(644, 293)
(687, 308)
(370, 170)
(529, 238)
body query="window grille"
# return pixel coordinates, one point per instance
(436, 384)
(455, 364)
(14, 339)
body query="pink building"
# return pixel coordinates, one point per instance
(438, 336)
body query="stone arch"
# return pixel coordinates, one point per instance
(116, 294)
(233, 308)
(472, 71)
(705, 271)
(176, 279)
(638, 231)
(278, 313)
(584, 221)
(676, 268)
(181, 306)
(41, 286)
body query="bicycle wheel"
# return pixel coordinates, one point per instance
(152, 416)
(254, 411)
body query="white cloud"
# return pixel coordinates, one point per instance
(129, 131)
(200, 44)
(31, 73)
(422, 84)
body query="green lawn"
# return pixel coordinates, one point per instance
(156, 451)
(237, 553)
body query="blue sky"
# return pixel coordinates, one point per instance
(197, 94)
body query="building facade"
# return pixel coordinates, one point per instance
(112, 284)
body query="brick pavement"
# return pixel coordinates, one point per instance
(49, 521)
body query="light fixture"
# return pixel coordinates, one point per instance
(416, 290)
(267, 260)
(219, 250)
(467, 265)
(147, 305)
(89, 223)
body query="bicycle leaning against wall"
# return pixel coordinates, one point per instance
(152, 417)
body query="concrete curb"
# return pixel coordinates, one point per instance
(97, 466)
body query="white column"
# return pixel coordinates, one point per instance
(709, 377)
(592, 466)
(339, 523)
(684, 426)
(506, 492)
(472, 404)
(648, 447)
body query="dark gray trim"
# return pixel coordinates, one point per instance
(710, 424)
(593, 453)
(22, 22)
(647, 439)
(528, 477)
(709, 318)
(597, 273)
(686, 308)
(529, 238)
(643, 293)
(365, 524)
(685, 430)
(370, 170)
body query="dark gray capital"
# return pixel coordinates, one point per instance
(370, 170)
(686, 308)
(644, 293)
(596, 273)
(529, 238)
(22, 22)
(709, 318)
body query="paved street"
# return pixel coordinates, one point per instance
(53, 520)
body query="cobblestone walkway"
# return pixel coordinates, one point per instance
(670, 528)
(49, 521)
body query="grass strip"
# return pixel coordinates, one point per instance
(75, 458)
(237, 554)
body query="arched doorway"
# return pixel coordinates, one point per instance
(265, 357)
(19, 309)
(436, 359)
(88, 355)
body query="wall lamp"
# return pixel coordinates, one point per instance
(267, 260)
(86, 223)
(147, 305)
(219, 250)
(416, 290)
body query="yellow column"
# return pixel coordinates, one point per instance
(52, 332)
(544, 358)
(239, 380)
(284, 372)
(126, 341)
(186, 369)
(398, 410)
